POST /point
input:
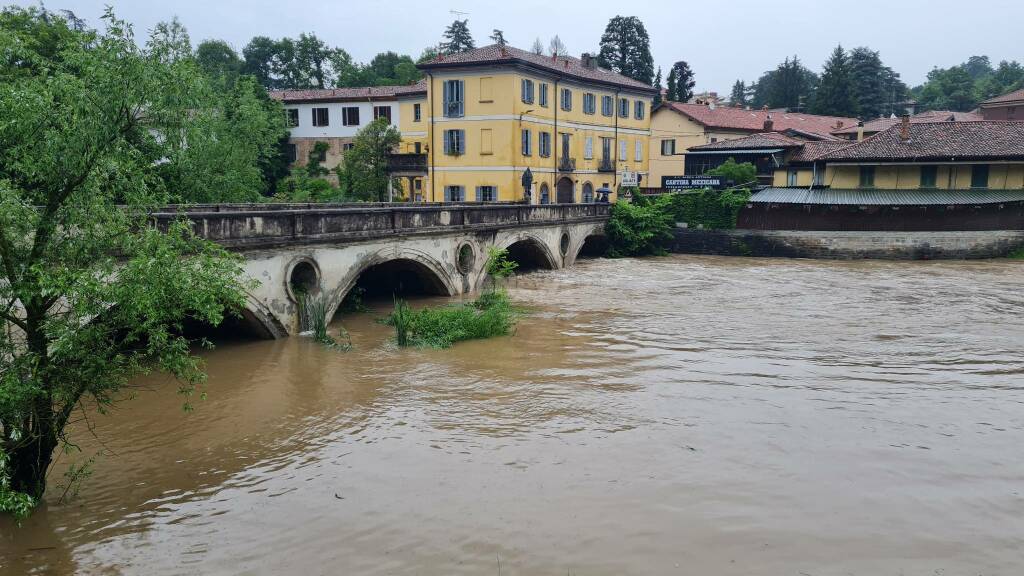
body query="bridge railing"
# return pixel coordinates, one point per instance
(250, 226)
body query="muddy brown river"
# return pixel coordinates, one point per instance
(681, 415)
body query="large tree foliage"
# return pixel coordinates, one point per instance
(680, 82)
(626, 49)
(790, 85)
(835, 90)
(364, 172)
(658, 87)
(457, 38)
(963, 86)
(217, 59)
(91, 295)
(738, 95)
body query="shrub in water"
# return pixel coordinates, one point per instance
(491, 315)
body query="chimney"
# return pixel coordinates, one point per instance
(588, 61)
(860, 131)
(769, 124)
(905, 128)
(839, 124)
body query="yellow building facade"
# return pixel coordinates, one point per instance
(494, 112)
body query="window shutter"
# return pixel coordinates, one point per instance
(447, 193)
(639, 151)
(494, 194)
(479, 194)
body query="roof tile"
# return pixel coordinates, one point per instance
(939, 140)
(725, 117)
(341, 94)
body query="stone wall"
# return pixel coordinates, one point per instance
(849, 244)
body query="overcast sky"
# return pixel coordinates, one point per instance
(722, 41)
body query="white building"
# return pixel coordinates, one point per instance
(335, 115)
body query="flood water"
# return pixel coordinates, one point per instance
(682, 415)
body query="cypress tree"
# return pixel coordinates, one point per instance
(626, 49)
(457, 38)
(738, 97)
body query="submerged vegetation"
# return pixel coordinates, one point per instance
(313, 318)
(1016, 254)
(491, 315)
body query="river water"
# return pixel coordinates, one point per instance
(680, 415)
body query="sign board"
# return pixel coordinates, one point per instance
(629, 179)
(690, 182)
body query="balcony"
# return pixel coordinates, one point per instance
(407, 164)
(566, 164)
(606, 165)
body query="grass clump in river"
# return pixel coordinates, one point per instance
(313, 318)
(1016, 254)
(489, 316)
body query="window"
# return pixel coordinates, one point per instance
(639, 152)
(623, 108)
(544, 144)
(588, 193)
(320, 117)
(485, 141)
(454, 194)
(566, 145)
(623, 149)
(668, 147)
(486, 193)
(418, 148)
(345, 147)
(321, 154)
(979, 176)
(588, 148)
(606, 105)
(382, 112)
(606, 150)
(527, 141)
(292, 152)
(486, 89)
(867, 176)
(292, 117)
(713, 139)
(545, 194)
(417, 113)
(526, 91)
(454, 142)
(566, 99)
(929, 176)
(589, 103)
(791, 178)
(350, 116)
(453, 104)
(544, 95)
(639, 109)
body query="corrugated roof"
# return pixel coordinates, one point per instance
(563, 65)
(728, 118)
(347, 94)
(868, 197)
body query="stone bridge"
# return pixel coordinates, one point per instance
(428, 248)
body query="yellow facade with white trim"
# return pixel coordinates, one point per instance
(493, 118)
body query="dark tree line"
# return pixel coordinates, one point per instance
(963, 86)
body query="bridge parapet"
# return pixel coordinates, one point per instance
(241, 226)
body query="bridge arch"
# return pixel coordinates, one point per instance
(590, 241)
(400, 270)
(530, 252)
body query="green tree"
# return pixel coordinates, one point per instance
(949, 89)
(1007, 77)
(389, 69)
(258, 60)
(312, 62)
(365, 166)
(790, 86)
(498, 37)
(738, 96)
(876, 88)
(217, 59)
(626, 49)
(835, 91)
(429, 53)
(457, 38)
(658, 86)
(978, 67)
(680, 82)
(91, 294)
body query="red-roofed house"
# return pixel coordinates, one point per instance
(678, 126)
(1008, 106)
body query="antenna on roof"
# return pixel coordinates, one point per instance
(457, 13)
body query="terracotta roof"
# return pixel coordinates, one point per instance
(1015, 96)
(812, 151)
(753, 142)
(342, 94)
(879, 124)
(940, 141)
(564, 65)
(728, 118)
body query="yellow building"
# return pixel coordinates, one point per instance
(494, 112)
(676, 127)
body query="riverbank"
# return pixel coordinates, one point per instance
(849, 245)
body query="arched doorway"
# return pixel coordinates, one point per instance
(545, 195)
(566, 192)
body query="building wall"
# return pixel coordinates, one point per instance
(667, 124)
(494, 116)
(804, 177)
(335, 128)
(908, 177)
(1003, 113)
